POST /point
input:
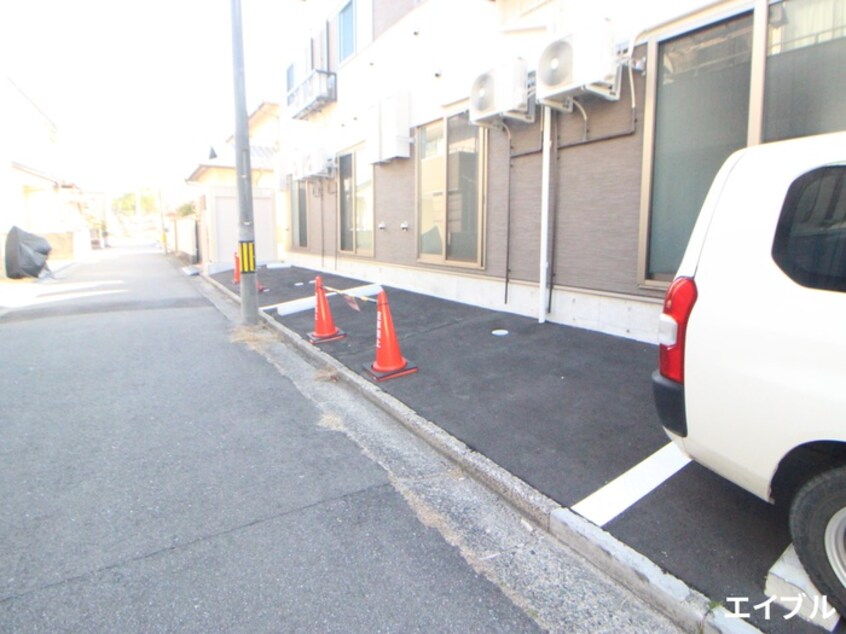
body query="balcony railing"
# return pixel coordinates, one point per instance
(312, 94)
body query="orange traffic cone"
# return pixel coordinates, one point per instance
(324, 326)
(389, 363)
(236, 277)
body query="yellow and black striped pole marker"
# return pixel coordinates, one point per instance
(247, 253)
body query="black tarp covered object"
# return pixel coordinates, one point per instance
(26, 254)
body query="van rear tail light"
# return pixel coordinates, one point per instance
(678, 304)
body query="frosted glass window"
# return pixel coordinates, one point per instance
(355, 200)
(702, 111)
(805, 83)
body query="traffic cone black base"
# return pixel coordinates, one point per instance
(393, 374)
(315, 339)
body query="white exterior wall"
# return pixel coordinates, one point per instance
(400, 61)
(181, 235)
(220, 228)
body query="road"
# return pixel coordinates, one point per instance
(164, 469)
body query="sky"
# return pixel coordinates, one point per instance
(140, 89)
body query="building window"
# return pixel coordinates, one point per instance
(299, 214)
(290, 78)
(346, 31)
(805, 88)
(703, 107)
(450, 184)
(355, 196)
(701, 116)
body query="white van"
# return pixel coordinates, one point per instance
(752, 370)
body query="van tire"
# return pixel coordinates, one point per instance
(818, 527)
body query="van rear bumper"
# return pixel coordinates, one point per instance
(669, 401)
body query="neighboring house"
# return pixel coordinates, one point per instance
(33, 196)
(577, 211)
(217, 205)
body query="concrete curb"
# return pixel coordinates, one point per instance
(690, 609)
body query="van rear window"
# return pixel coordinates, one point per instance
(810, 241)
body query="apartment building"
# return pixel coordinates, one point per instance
(543, 157)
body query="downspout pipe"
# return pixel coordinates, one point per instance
(322, 233)
(553, 209)
(546, 200)
(507, 212)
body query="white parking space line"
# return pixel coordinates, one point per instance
(615, 497)
(295, 305)
(307, 303)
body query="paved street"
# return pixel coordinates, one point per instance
(164, 469)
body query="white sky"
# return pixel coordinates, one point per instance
(140, 90)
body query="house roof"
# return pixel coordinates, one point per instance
(41, 174)
(262, 158)
(34, 106)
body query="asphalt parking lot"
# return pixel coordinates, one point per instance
(567, 411)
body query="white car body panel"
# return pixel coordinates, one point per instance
(765, 364)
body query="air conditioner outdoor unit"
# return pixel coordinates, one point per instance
(583, 62)
(314, 164)
(502, 92)
(387, 128)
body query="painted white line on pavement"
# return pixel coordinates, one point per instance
(295, 305)
(368, 290)
(615, 497)
(307, 303)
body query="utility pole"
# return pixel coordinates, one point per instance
(246, 228)
(164, 226)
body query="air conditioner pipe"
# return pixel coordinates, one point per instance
(507, 212)
(532, 151)
(547, 256)
(605, 137)
(629, 131)
(612, 135)
(554, 176)
(581, 110)
(585, 140)
(322, 238)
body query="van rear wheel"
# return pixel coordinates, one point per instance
(818, 527)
